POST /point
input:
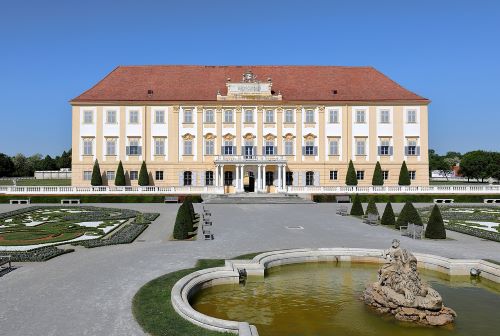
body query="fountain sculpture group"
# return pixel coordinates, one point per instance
(401, 292)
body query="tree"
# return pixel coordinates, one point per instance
(372, 208)
(493, 168)
(64, 161)
(351, 179)
(120, 175)
(439, 163)
(36, 161)
(22, 166)
(408, 215)
(474, 165)
(378, 178)
(182, 220)
(143, 175)
(388, 217)
(357, 207)
(96, 175)
(6, 166)
(404, 175)
(435, 227)
(48, 163)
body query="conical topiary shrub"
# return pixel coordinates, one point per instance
(378, 178)
(351, 179)
(120, 175)
(143, 175)
(96, 175)
(404, 176)
(182, 223)
(408, 215)
(435, 227)
(357, 207)
(372, 208)
(388, 217)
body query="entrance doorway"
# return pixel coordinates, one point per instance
(249, 182)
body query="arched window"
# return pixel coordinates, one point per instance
(188, 178)
(309, 178)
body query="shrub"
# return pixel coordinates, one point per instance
(388, 217)
(378, 178)
(372, 208)
(435, 227)
(183, 222)
(408, 215)
(125, 235)
(189, 203)
(96, 175)
(120, 175)
(351, 179)
(38, 254)
(404, 175)
(143, 175)
(357, 207)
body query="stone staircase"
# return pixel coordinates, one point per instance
(255, 198)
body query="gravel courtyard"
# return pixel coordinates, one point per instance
(89, 291)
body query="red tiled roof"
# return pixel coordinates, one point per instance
(201, 83)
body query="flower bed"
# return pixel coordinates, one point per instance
(127, 234)
(39, 254)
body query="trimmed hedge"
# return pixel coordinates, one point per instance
(372, 208)
(120, 175)
(95, 198)
(96, 175)
(143, 175)
(125, 235)
(403, 198)
(490, 235)
(183, 223)
(435, 225)
(404, 175)
(351, 178)
(378, 177)
(43, 253)
(408, 215)
(357, 207)
(388, 217)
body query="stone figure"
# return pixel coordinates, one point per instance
(401, 292)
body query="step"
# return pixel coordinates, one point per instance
(262, 199)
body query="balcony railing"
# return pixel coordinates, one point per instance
(251, 158)
(67, 190)
(451, 189)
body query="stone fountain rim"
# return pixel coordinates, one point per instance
(229, 273)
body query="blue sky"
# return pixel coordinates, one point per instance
(51, 51)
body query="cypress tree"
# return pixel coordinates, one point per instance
(372, 208)
(357, 207)
(120, 175)
(408, 215)
(435, 227)
(404, 176)
(388, 217)
(96, 175)
(351, 179)
(181, 227)
(143, 175)
(378, 178)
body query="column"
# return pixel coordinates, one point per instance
(242, 187)
(216, 175)
(237, 177)
(221, 177)
(263, 176)
(283, 175)
(258, 177)
(279, 177)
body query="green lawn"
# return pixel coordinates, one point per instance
(34, 182)
(5, 182)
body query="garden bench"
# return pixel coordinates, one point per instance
(70, 201)
(20, 201)
(491, 200)
(207, 222)
(371, 219)
(171, 199)
(208, 236)
(444, 200)
(343, 199)
(4, 260)
(206, 211)
(342, 211)
(413, 231)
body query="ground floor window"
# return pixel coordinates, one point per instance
(334, 175)
(87, 175)
(209, 178)
(228, 178)
(110, 175)
(159, 175)
(385, 174)
(188, 178)
(289, 178)
(134, 175)
(360, 174)
(309, 178)
(413, 174)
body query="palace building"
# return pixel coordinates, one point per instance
(249, 128)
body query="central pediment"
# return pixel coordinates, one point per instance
(249, 89)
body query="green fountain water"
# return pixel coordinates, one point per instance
(323, 299)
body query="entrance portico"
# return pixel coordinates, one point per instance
(259, 169)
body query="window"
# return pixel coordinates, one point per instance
(159, 117)
(309, 148)
(110, 175)
(333, 147)
(269, 116)
(88, 146)
(159, 146)
(309, 116)
(269, 178)
(248, 149)
(289, 178)
(87, 175)
(334, 175)
(385, 174)
(360, 174)
(188, 178)
(134, 148)
(134, 175)
(88, 117)
(360, 147)
(289, 116)
(412, 174)
(228, 178)
(384, 148)
(110, 146)
(159, 175)
(188, 116)
(111, 117)
(188, 147)
(248, 116)
(228, 116)
(269, 148)
(384, 117)
(228, 148)
(411, 117)
(209, 147)
(333, 117)
(209, 178)
(309, 178)
(412, 149)
(209, 116)
(288, 147)
(133, 117)
(360, 117)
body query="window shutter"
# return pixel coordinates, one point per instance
(295, 179)
(417, 150)
(139, 150)
(222, 150)
(127, 149)
(234, 150)
(391, 150)
(193, 179)
(316, 178)
(303, 150)
(406, 150)
(379, 150)
(275, 150)
(263, 150)
(275, 176)
(243, 152)
(303, 178)
(315, 150)
(203, 174)
(181, 179)
(254, 152)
